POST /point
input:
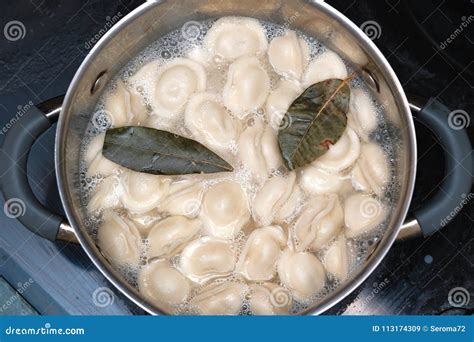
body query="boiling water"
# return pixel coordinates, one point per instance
(175, 45)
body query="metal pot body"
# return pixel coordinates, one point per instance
(156, 18)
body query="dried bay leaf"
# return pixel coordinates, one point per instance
(154, 151)
(314, 121)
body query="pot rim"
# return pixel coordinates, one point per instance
(385, 243)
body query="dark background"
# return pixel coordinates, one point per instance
(419, 274)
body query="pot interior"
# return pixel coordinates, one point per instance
(155, 19)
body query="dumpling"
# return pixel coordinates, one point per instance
(145, 222)
(302, 273)
(207, 258)
(233, 37)
(209, 121)
(247, 86)
(319, 222)
(336, 259)
(143, 192)
(96, 163)
(371, 173)
(278, 102)
(341, 155)
(125, 107)
(317, 182)
(269, 299)
(288, 55)
(362, 115)
(220, 299)
(261, 252)
(184, 198)
(277, 199)
(325, 66)
(163, 284)
(169, 86)
(119, 240)
(169, 235)
(258, 150)
(224, 209)
(106, 195)
(362, 213)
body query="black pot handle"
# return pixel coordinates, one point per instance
(448, 126)
(20, 202)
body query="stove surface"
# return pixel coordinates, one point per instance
(416, 277)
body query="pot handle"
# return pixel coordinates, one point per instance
(448, 126)
(20, 202)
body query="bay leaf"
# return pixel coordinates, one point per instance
(314, 121)
(154, 151)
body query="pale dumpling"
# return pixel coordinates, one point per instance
(163, 284)
(336, 259)
(278, 102)
(319, 222)
(325, 66)
(209, 121)
(184, 198)
(142, 191)
(371, 173)
(169, 86)
(220, 299)
(119, 240)
(258, 150)
(288, 55)
(302, 273)
(225, 209)
(363, 213)
(233, 37)
(362, 115)
(247, 86)
(341, 155)
(277, 199)
(170, 234)
(269, 299)
(207, 258)
(315, 181)
(125, 107)
(96, 163)
(106, 194)
(261, 253)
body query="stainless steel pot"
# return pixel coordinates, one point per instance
(156, 18)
